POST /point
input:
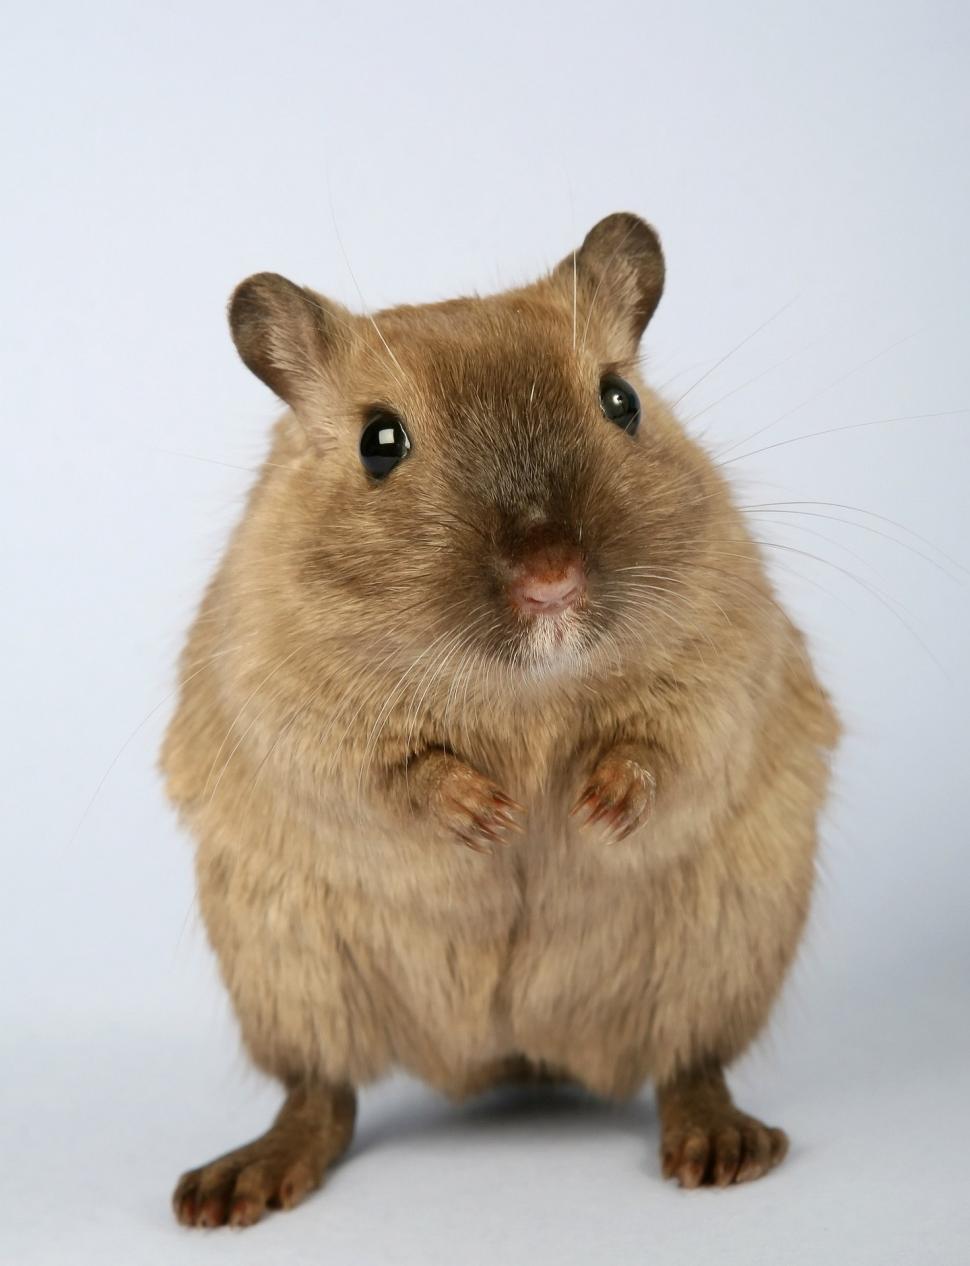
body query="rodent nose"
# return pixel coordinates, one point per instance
(548, 586)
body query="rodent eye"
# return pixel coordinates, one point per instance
(620, 402)
(383, 443)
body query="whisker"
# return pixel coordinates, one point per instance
(817, 395)
(829, 540)
(888, 603)
(727, 356)
(135, 732)
(272, 673)
(838, 505)
(833, 430)
(749, 383)
(213, 461)
(862, 527)
(402, 378)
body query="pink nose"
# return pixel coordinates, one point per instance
(543, 587)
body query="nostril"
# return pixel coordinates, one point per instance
(548, 591)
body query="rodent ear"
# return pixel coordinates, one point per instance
(285, 334)
(619, 275)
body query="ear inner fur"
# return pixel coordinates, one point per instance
(284, 333)
(619, 274)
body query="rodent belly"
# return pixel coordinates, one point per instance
(541, 949)
(465, 958)
(423, 942)
(352, 956)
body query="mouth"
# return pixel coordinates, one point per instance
(552, 642)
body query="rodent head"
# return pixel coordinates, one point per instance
(482, 479)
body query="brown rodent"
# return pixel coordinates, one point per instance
(501, 757)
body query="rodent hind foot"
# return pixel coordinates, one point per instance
(275, 1171)
(708, 1142)
(730, 1149)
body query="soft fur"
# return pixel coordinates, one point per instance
(357, 694)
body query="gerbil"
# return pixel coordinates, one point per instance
(501, 757)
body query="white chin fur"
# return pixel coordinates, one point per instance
(553, 646)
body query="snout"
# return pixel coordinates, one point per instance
(548, 577)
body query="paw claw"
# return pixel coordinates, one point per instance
(586, 799)
(507, 802)
(620, 795)
(476, 812)
(476, 845)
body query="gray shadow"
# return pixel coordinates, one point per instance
(415, 1116)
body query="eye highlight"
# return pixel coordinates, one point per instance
(620, 403)
(383, 443)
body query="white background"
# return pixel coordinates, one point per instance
(812, 155)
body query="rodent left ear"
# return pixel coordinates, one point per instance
(285, 334)
(618, 273)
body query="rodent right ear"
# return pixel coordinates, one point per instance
(616, 277)
(285, 334)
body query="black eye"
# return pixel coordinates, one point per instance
(620, 403)
(383, 443)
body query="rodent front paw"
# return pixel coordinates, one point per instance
(474, 811)
(619, 796)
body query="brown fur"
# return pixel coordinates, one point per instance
(358, 698)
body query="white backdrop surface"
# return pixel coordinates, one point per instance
(805, 163)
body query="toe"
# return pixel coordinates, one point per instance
(214, 1194)
(728, 1147)
(756, 1156)
(213, 1211)
(778, 1141)
(727, 1156)
(250, 1195)
(184, 1198)
(245, 1211)
(297, 1183)
(186, 1209)
(693, 1160)
(670, 1155)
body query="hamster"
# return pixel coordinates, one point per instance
(501, 758)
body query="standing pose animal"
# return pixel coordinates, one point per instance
(501, 759)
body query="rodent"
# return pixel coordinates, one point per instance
(501, 758)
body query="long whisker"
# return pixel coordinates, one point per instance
(134, 734)
(832, 430)
(727, 356)
(885, 601)
(862, 527)
(395, 694)
(750, 383)
(809, 531)
(817, 395)
(213, 461)
(839, 505)
(353, 276)
(272, 673)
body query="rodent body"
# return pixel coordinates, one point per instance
(359, 703)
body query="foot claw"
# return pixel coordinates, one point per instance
(275, 1171)
(730, 1148)
(245, 1212)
